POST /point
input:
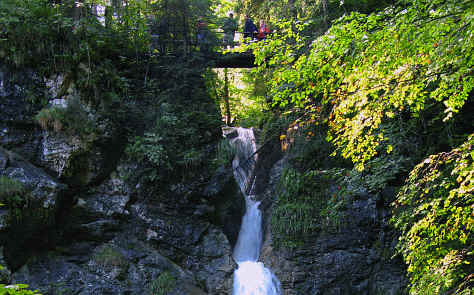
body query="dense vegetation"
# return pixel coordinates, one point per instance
(386, 90)
(365, 94)
(116, 83)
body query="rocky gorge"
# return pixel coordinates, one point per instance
(85, 228)
(345, 164)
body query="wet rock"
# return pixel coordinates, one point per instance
(121, 266)
(353, 258)
(225, 196)
(77, 161)
(3, 160)
(217, 266)
(112, 237)
(96, 215)
(56, 153)
(5, 274)
(108, 261)
(18, 131)
(32, 211)
(44, 190)
(3, 219)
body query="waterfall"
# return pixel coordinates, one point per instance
(251, 277)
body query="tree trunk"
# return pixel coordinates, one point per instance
(293, 10)
(185, 27)
(109, 15)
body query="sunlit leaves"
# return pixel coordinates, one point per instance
(370, 68)
(434, 211)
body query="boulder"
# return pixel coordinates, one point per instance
(32, 210)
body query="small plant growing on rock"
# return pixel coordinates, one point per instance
(163, 284)
(109, 257)
(110, 262)
(225, 152)
(51, 118)
(73, 119)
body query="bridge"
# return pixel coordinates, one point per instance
(215, 58)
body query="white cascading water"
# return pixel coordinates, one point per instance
(251, 277)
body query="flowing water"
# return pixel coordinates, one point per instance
(251, 277)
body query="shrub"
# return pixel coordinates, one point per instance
(296, 215)
(11, 190)
(73, 120)
(51, 118)
(19, 289)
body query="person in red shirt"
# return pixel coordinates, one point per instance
(263, 31)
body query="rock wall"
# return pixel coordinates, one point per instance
(355, 258)
(105, 234)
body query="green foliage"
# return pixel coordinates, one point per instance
(18, 289)
(251, 115)
(225, 152)
(149, 147)
(163, 284)
(434, 212)
(93, 58)
(72, 120)
(301, 205)
(11, 191)
(319, 10)
(192, 159)
(174, 145)
(371, 69)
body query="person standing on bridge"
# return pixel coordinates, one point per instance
(229, 27)
(263, 31)
(250, 29)
(202, 35)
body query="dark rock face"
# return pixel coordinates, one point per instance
(34, 210)
(115, 244)
(18, 132)
(103, 234)
(228, 201)
(355, 258)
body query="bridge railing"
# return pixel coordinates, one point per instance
(212, 39)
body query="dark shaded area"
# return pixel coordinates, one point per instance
(233, 60)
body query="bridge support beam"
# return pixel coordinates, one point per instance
(234, 60)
